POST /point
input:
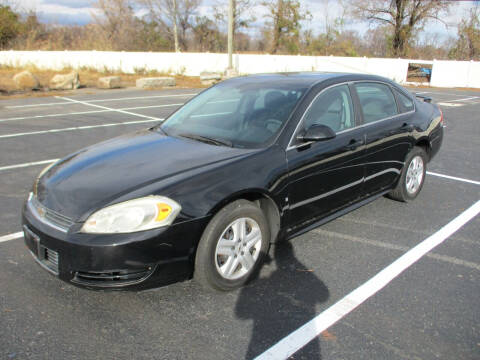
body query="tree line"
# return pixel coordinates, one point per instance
(287, 27)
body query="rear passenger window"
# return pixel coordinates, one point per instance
(404, 102)
(377, 101)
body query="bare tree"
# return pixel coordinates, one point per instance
(177, 16)
(242, 13)
(405, 17)
(207, 37)
(118, 22)
(338, 21)
(467, 46)
(333, 29)
(376, 40)
(285, 17)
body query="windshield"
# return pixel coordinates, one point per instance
(235, 114)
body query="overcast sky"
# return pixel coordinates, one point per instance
(79, 12)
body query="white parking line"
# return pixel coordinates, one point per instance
(454, 102)
(303, 335)
(464, 99)
(449, 104)
(102, 100)
(106, 108)
(453, 178)
(438, 93)
(88, 112)
(35, 163)
(386, 245)
(79, 128)
(13, 236)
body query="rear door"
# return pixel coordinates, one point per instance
(388, 130)
(325, 175)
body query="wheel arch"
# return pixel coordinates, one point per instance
(425, 144)
(263, 200)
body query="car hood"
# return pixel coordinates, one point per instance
(95, 176)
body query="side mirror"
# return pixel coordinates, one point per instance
(317, 133)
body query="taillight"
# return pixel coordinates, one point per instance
(441, 116)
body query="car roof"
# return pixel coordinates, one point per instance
(305, 78)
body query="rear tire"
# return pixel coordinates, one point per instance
(412, 176)
(232, 246)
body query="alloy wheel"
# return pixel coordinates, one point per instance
(414, 175)
(238, 248)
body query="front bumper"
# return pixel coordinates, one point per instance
(133, 261)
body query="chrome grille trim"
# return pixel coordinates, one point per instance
(50, 267)
(51, 260)
(50, 217)
(51, 257)
(111, 279)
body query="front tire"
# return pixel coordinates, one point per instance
(232, 246)
(412, 177)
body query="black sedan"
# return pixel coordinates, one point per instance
(249, 162)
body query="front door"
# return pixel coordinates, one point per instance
(325, 176)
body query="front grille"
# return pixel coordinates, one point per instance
(46, 257)
(51, 259)
(111, 278)
(59, 221)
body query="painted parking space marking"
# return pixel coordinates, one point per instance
(102, 100)
(107, 108)
(385, 245)
(389, 226)
(466, 99)
(35, 163)
(438, 93)
(454, 178)
(79, 128)
(89, 112)
(459, 102)
(303, 335)
(13, 236)
(450, 104)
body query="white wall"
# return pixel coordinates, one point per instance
(444, 73)
(456, 73)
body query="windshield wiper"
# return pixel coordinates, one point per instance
(207, 139)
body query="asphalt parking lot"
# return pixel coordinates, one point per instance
(430, 311)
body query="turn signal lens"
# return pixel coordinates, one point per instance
(163, 211)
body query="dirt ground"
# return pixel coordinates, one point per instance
(88, 80)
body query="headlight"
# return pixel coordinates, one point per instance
(133, 215)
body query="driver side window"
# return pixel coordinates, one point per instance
(332, 108)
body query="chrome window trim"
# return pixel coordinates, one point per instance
(291, 147)
(306, 111)
(406, 95)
